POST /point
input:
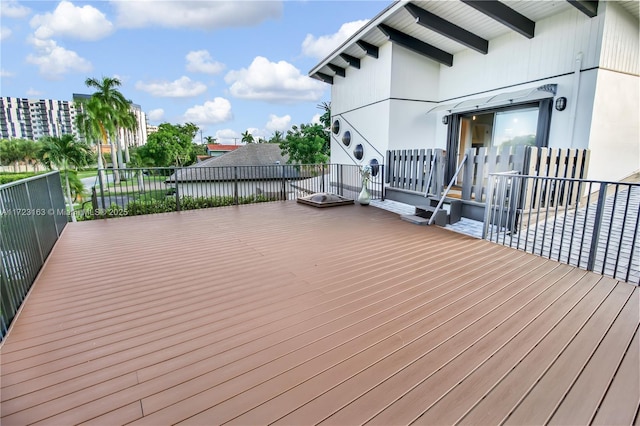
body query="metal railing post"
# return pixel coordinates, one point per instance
(381, 181)
(175, 173)
(597, 223)
(235, 185)
(322, 181)
(283, 190)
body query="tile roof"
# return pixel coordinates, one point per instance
(219, 147)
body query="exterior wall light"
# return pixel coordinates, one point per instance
(561, 103)
(445, 119)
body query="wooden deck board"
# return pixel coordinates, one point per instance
(281, 312)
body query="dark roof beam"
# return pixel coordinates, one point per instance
(447, 29)
(351, 60)
(589, 8)
(323, 77)
(338, 70)
(416, 45)
(369, 48)
(505, 15)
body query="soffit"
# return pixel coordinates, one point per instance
(454, 11)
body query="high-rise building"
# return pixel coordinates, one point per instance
(23, 118)
(35, 118)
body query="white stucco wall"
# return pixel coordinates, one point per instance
(615, 131)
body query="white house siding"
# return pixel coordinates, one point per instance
(414, 90)
(387, 99)
(620, 41)
(514, 60)
(361, 103)
(615, 133)
(371, 83)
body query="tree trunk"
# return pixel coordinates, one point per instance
(127, 157)
(68, 190)
(101, 173)
(114, 163)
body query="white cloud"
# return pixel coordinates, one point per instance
(34, 92)
(273, 82)
(211, 112)
(278, 123)
(322, 46)
(228, 136)
(54, 60)
(205, 14)
(5, 74)
(67, 20)
(12, 9)
(316, 119)
(5, 33)
(183, 87)
(155, 115)
(201, 61)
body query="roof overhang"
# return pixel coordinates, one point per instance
(440, 29)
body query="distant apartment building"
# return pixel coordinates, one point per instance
(33, 119)
(23, 118)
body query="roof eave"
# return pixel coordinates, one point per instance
(371, 25)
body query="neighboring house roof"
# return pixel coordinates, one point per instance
(219, 147)
(439, 30)
(248, 162)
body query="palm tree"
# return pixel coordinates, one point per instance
(210, 140)
(247, 137)
(93, 124)
(116, 105)
(64, 152)
(277, 137)
(29, 152)
(10, 153)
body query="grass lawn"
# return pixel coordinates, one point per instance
(87, 173)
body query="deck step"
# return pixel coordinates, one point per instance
(416, 220)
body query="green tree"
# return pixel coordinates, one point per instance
(11, 153)
(64, 152)
(29, 152)
(171, 145)
(307, 144)
(247, 137)
(114, 110)
(277, 137)
(210, 140)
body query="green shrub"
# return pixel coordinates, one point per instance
(168, 204)
(12, 177)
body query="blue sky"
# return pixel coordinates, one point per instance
(225, 66)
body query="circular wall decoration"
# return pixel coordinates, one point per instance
(375, 167)
(336, 127)
(346, 138)
(358, 151)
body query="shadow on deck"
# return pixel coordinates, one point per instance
(286, 313)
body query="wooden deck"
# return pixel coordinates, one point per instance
(284, 313)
